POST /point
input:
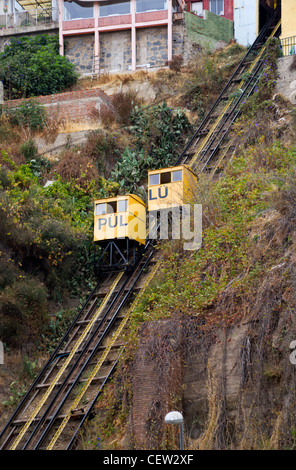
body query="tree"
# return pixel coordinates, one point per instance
(32, 66)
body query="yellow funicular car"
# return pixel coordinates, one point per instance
(120, 230)
(170, 187)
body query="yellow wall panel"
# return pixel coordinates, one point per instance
(288, 18)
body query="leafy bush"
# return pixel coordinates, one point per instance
(48, 229)
(159, 133)
(124, 103)
(30, 114)
(29, 150)
(175, 64)
(23, 311)
(32, 66)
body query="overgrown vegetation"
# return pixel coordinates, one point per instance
(158, 134)
(32, 66)
(240, 284)
(207, 77)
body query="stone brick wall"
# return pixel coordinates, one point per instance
(73, 106)
(156, 381)
(79, 51)
(115, 50)
(182, 45)
(286, 83)
(152, 46)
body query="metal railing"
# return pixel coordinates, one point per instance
(27, 18)
(288, 45)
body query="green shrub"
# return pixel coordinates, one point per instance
(23, 311)
(29, 150)
(29, 114)
(32, 66)
(159, 133)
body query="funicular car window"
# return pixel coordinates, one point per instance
(177, 175)
(154, 179)
(111, 207)
(165, 178)
(122, 206)
(100, 209)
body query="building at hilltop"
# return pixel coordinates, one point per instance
(122, 35)
(223, 8)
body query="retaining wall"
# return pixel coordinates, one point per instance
(74, 105)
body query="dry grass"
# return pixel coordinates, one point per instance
(67, 126)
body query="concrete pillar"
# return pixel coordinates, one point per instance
(1, 100)
(134, 35)
(61, 37)
(170, 29)
(97, 39)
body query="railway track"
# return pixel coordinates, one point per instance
(210, 145)
(63, 395)
(83, 361)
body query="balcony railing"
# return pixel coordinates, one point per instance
(27, 18)
(289, 45)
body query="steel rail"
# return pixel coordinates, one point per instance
(252, 49)
(222, 130)
(64, 366)
(238, 112)
(231, 102)
(147, 246)
(74, 366)
(52, 358)
(94, 351)
(103, 357)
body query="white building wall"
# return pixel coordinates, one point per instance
(245, 21)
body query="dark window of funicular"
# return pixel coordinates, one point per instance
(165, 178)
(75, 10)
(111, 207)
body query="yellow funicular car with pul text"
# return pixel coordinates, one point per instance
(171, 187)
(120, 229)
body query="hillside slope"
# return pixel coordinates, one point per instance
(212, 337)
(215, 326)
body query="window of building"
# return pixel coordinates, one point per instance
(197, 8)
(75, 10)
(217, 7)
(150, 5)
(115, 8)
